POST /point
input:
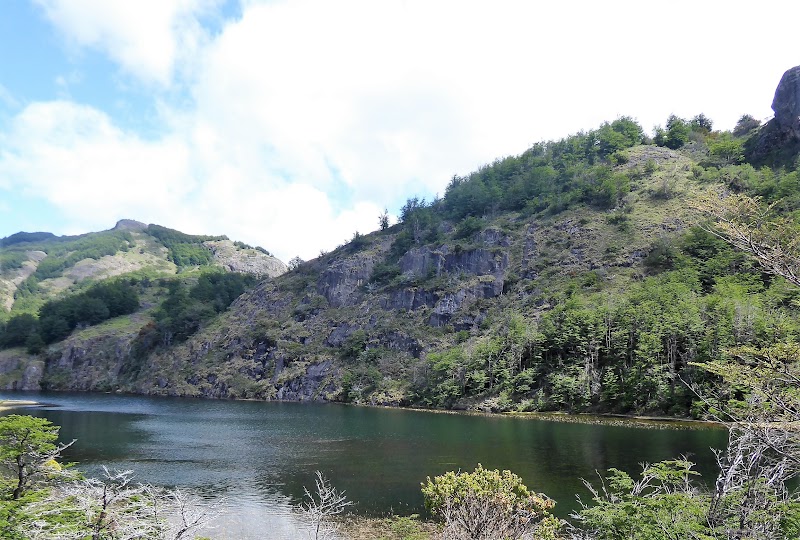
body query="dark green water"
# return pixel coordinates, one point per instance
(259, 455)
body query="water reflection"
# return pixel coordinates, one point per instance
(260, 455)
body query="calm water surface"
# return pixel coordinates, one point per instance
(259, 455)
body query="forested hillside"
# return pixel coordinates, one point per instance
(53, 287)
(581, 275)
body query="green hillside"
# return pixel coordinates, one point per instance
(51, 286)
(577, 276)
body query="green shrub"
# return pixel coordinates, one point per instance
(452, 487)
(488, 505)
(468, 227)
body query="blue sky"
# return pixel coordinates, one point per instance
(291, 124)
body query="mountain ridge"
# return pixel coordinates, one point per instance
(575, 276)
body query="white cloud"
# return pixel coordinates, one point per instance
(307, 117)
(75, 158)
(394, 97)
(146, 37)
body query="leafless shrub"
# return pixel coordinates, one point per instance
(320, 506)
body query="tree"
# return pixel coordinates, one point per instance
(745, 125)
(321, 505)
(295, 262)
(113, 507)
(28, 449)
(760, 397)
(727, 150)
(747, 224)
(18, 329)
(701, 123)
(664, 504)
(676, 134)
(383, 220)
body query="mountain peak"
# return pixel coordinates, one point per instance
(129, 225)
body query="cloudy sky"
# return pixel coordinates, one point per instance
(291, 124)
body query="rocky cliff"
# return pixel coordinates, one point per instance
(571, 277)
(778, 141)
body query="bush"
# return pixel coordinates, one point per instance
(488, 504)
(745, 125)
(468, 227)
(12, 260)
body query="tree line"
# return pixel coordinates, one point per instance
(58, 318)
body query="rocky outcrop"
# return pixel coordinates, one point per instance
(410, 299)
(246, 261)
(339, 282)
(447, 307)
(786, 104)
(778, 141)
(20, 371)
(310, 387)
(129, 225)
(476, 262)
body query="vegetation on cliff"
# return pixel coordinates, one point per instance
(581, 275)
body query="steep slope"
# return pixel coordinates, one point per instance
(337, 328)
(35, 267)
(574, 276)
(73, 284)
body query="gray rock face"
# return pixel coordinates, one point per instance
(20, 371)
(339, 282)
(778, 141)
(477, 262)
(309, 386)
(410, 299)
(246, 261)
(787, 102)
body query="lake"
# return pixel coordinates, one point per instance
(260, 455)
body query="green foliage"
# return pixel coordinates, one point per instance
(102, 301)
(453, 487)
(619, 351)
(468, 227)
(27, 449)
(220, 289)
(17, 330)
(745, 125)
(383, 220)
(677, 133)
(663, 505)
(25, 238)
(57, 318)
(184, 249)
(384, 272)
(701, 123)
(488, 505)
(28, 287)
(64, 252)
(727, 150)
(549, 176)
(11, 260)
(186, 308)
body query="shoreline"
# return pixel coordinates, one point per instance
(609, 419)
